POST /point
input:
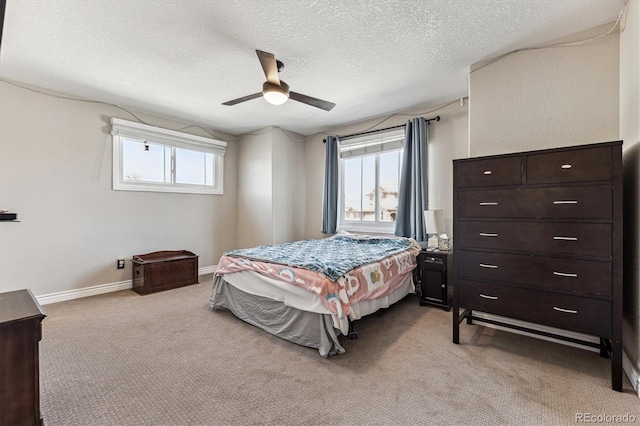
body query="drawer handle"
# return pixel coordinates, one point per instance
(488, 204)
(484, 265)
(566, 311)
(565, 202)
(487, 172)
(566, 238)
(564, 274)
(488, 297)
(484, 234)
(566, 166)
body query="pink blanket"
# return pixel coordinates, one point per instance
(368, 281)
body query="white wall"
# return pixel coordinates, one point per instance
(630, 133)
(546, 98)
(447, 140)
(55, 172)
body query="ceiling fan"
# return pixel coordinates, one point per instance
(276, 91)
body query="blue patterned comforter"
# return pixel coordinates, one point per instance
(331, 257)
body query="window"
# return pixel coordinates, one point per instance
(147, 158)
(370, 179)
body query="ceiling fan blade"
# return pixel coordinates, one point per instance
(269, 66)
(318, 103)
(243, 99)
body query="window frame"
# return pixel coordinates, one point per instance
(123, 129)
(376, 142)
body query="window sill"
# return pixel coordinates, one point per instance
(367, 230)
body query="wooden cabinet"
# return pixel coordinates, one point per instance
(538, 238)
(20, 334)
(164, 270)
(433, 276)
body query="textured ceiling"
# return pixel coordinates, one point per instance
(183, 58)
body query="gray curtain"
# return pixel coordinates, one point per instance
(330, 196)
(413, 193)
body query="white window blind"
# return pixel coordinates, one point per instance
(372, 143)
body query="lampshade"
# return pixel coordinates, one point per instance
(434, 221)
(274, 94)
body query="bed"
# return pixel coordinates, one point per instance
(309, 292)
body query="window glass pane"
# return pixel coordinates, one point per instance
(389, 184)
(352, 181)
(208, 173)
(142, 164)
(369, 188)
(191, 166)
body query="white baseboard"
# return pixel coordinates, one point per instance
(632, 372)
(100, 289)
(83, 292)
(207, 270)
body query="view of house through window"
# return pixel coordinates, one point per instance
(370, 176)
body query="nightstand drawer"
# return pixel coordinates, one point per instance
(569, 166)
(491, 172)
(578, 202)
(576, 276)
(591, 316)
(587, 239)
(431, 262)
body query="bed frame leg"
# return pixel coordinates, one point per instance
(352, 334)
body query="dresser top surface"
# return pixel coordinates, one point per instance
(19, 305)
(542, 151)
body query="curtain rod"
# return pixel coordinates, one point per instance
(437, 118)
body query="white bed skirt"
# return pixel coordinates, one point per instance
(259, 285)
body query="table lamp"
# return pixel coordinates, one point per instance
(434, 222)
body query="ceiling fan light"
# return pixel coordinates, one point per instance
(275, 95)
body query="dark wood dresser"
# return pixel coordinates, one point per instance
(20, 333)
(164, 270)
(538, 238)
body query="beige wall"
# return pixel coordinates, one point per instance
(546, 98)
(254, 226)
(55, 172)
(447, 140)
(289, 186)
(270, 188)
(630, 133)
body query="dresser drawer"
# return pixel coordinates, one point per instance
(569, 166)
(591, 316)
(491, 172)
(580, 202)
(585, 239)
(582, 277)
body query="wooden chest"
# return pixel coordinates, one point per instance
(538, 238)
(164, 270)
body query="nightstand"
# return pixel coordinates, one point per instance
(433, 276)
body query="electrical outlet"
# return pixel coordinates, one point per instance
(120, 263)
